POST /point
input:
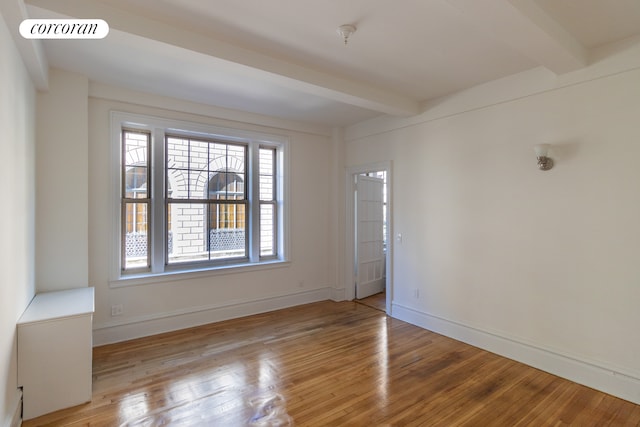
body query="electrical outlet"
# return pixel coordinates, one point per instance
(117, 310)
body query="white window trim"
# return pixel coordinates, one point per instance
(157, 126)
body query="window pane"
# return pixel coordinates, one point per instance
(187, 223)
(227, 157)
(135, 182)
(135, 222)
(136, 235)
(235, 186)
(266, 187)
(227, 174)
(198, 155)
(200, 231)
(236, 155)
(197, 188)
(267, 229)
(177, 153)
(227, 231)
(135, 148)
(199, 170)
(266, 161)
(217, 157)
(226, 186)
(267, 174)
(267, 194)
(135, 164)
(178, 167)
(187, 168)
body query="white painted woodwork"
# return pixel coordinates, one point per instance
(369, 236)
(55, 351)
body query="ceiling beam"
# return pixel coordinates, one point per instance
(247, 62)
(525, 27)
(31, 51)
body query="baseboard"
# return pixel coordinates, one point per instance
(337, 294)
(611, 380)
(142, 326)
(16, 419)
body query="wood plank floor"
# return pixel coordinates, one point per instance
(326, 364)
(377, 301)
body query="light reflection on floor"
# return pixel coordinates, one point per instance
(383, 372)
(226, 392)
(133, 406)
(269, 407)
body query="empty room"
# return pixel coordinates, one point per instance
(295, 212)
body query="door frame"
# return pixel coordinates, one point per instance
(350, 240)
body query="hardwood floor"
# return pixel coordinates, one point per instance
(326, 364)
(377, 301)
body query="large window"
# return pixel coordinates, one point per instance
(193, 197)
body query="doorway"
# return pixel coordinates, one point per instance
(369, 253)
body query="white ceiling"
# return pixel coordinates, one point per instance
(284, 58)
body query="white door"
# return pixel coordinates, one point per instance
(369, 236)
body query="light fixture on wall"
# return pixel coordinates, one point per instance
(345, 32)
(544, 163)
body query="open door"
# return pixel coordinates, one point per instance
(369, 255)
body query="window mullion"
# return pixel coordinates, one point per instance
(158, 205)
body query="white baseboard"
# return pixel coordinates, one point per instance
(16, 419)
(337, 294)
(142, 326)
(614, 381)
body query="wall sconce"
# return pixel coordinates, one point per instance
(544, 163)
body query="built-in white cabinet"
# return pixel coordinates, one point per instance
(55, 351)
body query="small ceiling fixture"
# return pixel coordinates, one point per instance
(345, 32)
(544, 163)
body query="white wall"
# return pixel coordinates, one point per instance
(17, 222)
(538, 266)
(62, 176)
(164, 305)
(543, 267)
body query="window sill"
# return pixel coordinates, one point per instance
(174, 276)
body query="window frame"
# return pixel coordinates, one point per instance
(273, 202)
(159, 130)
(124, 200)
(205, 202)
